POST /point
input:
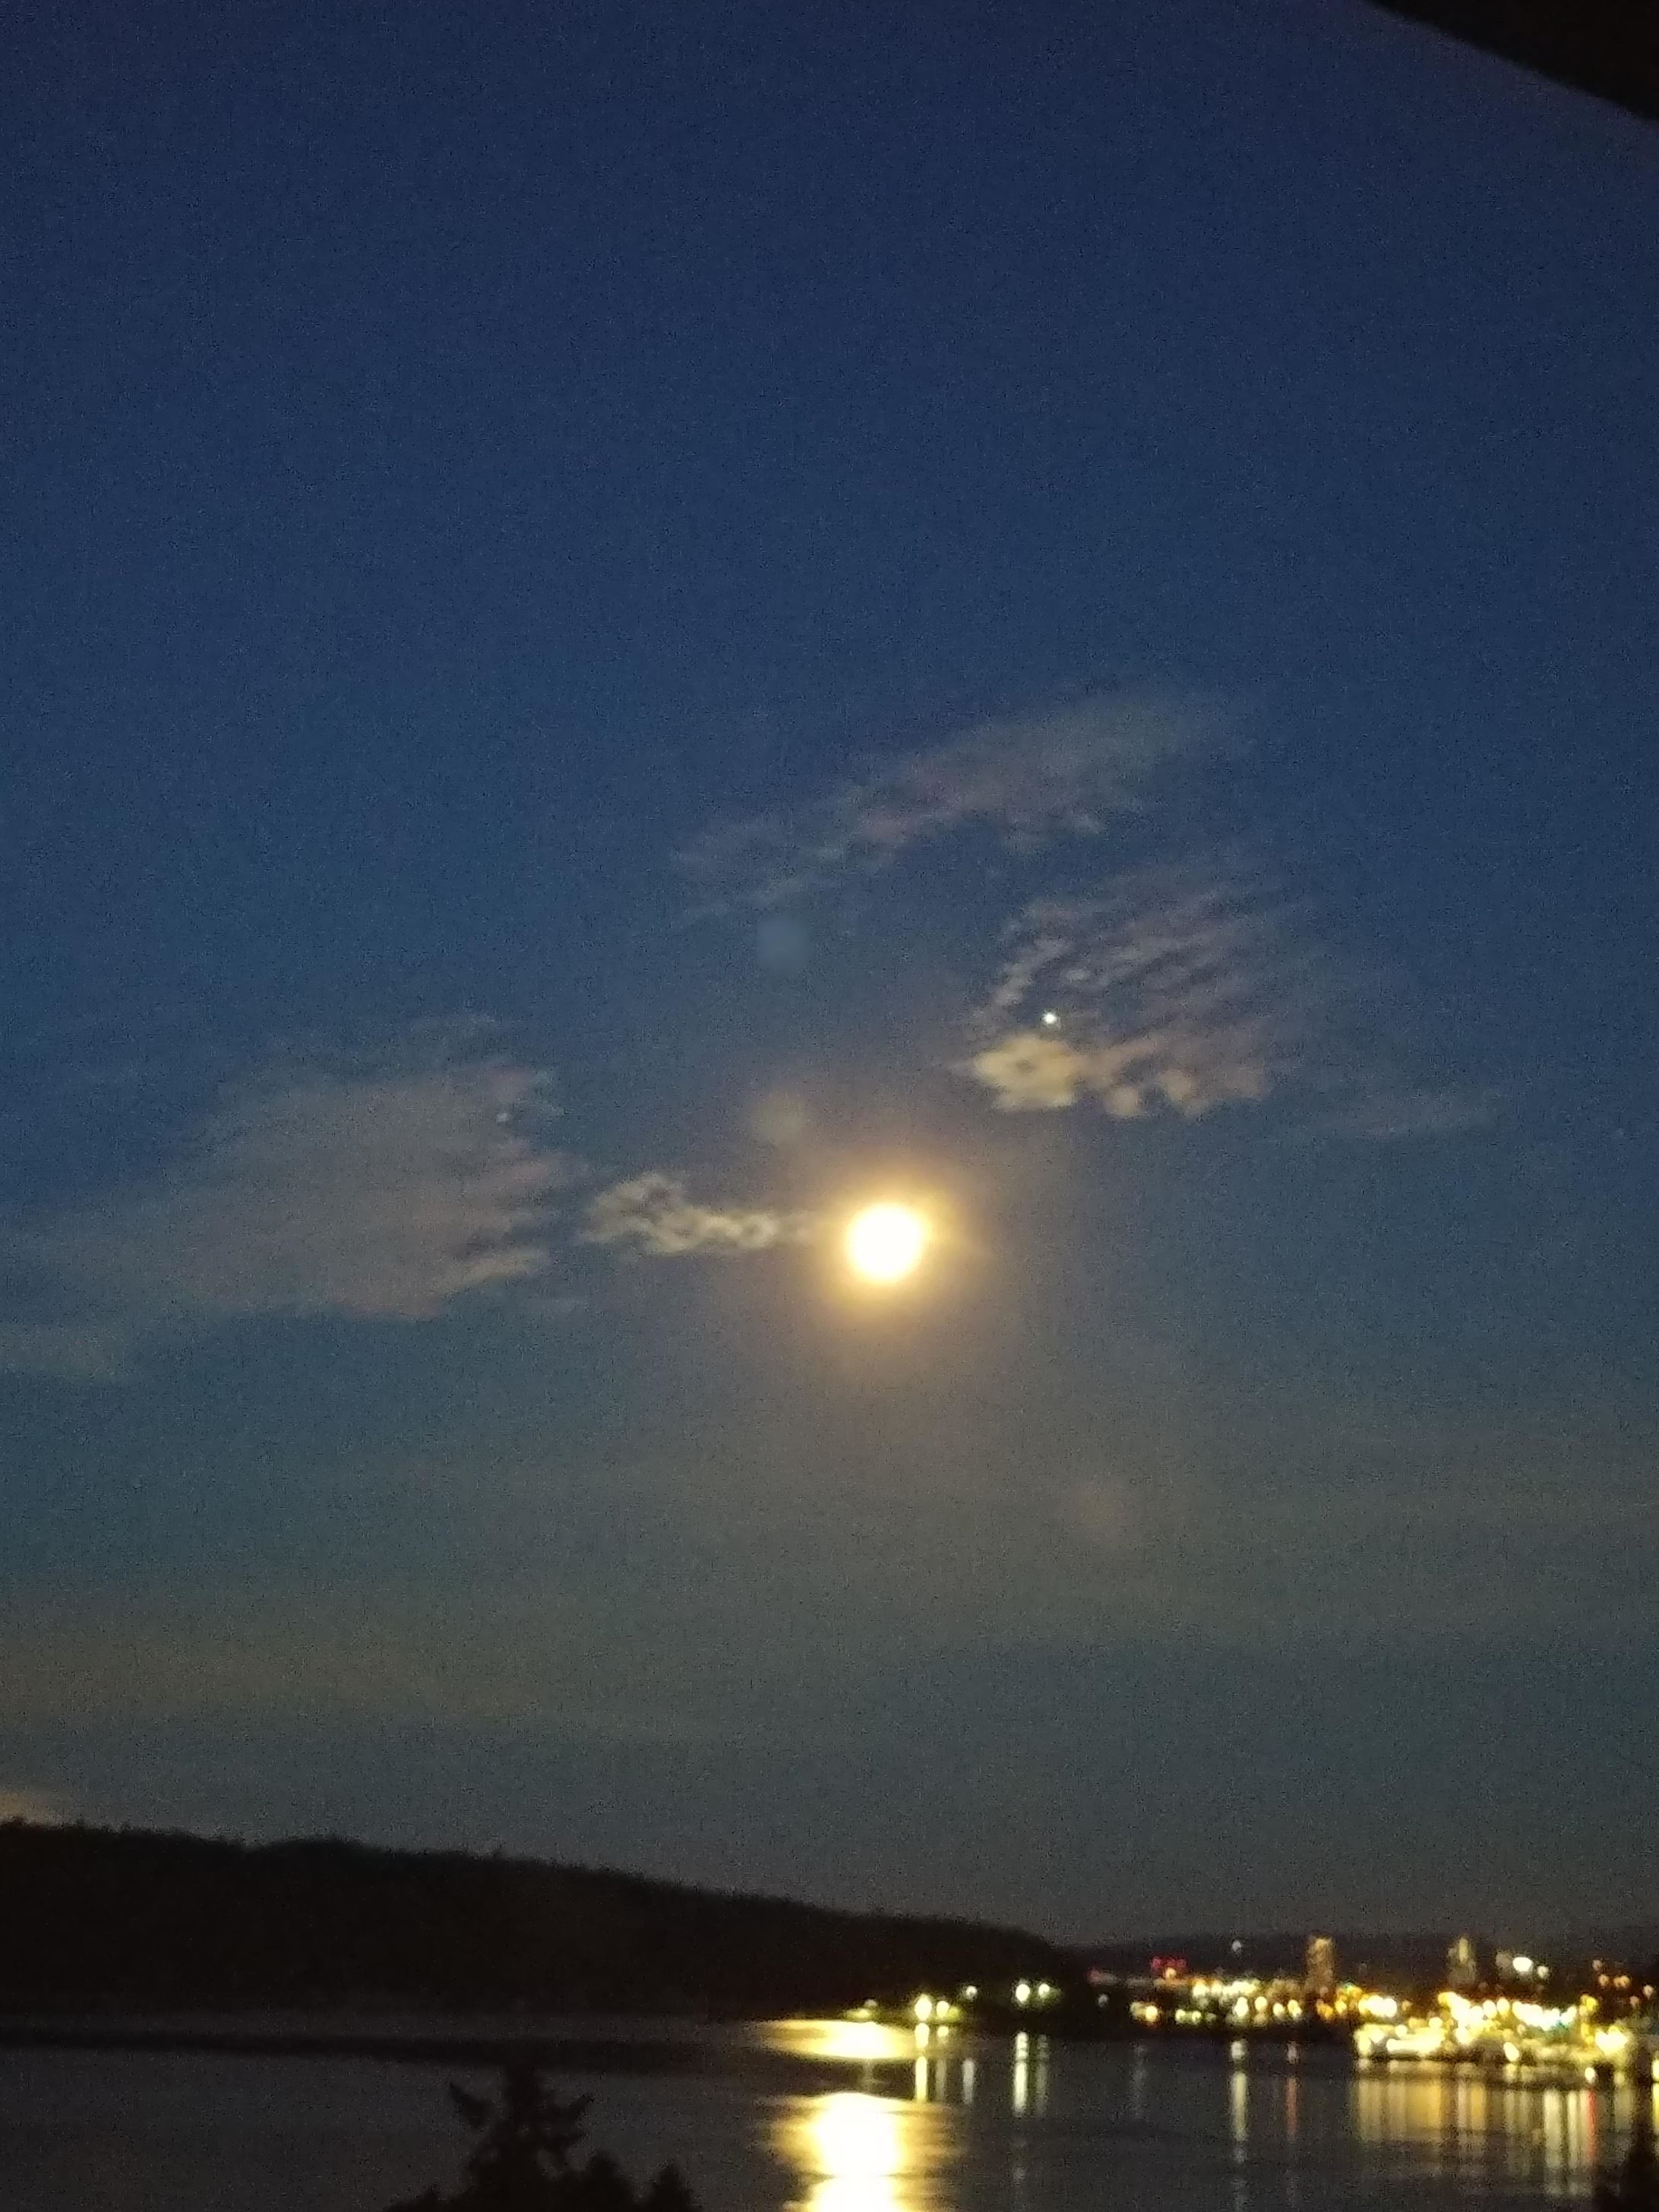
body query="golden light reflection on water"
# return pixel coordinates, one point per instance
(1461, 2123)
(1238, 2111)
(854, 2151)
(1028, 2084)
(880, 2146)
(884, 2141)
(871, 2056)
(921, 2065)
(842, 2039)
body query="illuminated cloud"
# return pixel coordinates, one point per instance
(383, 1191)
(1185, 988)
(1029, 1073)
(1196, 985)
(1027, 779)
(652, 1214)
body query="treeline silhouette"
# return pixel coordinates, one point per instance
(100, 1918)
(523, 2159)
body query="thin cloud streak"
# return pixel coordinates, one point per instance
(652, 1216)
(1388, 1112)
(1027, 779)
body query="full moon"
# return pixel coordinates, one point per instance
(884, 1243)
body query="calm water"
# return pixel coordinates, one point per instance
(965, 2125)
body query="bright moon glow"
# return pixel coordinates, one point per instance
(884, 1243)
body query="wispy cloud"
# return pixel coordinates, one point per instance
(1382, 1109)
(1027, 779)
(1184, 988)
(1195, 985)
(384, 1190)
(653, 1215)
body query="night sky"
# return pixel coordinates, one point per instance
(627, 626)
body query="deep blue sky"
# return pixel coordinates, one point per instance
(605, 606)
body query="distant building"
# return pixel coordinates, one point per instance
(1319, 1979)
(1462, 1964)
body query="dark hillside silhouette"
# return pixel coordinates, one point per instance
(1608, 47)
(131, 1919)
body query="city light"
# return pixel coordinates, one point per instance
(1563, 2038)
(1518, 2018)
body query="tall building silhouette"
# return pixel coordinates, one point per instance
(1462, 1964)
(1319, 1977)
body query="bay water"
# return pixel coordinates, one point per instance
(882, 2122)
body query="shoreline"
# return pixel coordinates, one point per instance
(559, 2052)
